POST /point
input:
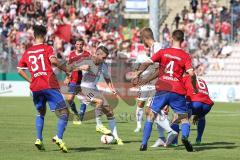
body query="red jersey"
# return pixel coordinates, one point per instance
(173, 62)
(202, 95)
(76, 76)
(37, 60)
(226, 28)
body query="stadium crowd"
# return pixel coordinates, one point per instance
(207, 27)
(208, 31)
(94, 22)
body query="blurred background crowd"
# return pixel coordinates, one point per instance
(209, 29)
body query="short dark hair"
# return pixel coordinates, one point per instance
(79, 40)
(147, 33)
(178, 35)
(104, 49)
(39, 31)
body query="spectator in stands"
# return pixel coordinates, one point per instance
(226, 31)
(193, 44)
(177, 20)
(194, 5)
(166, 36)
(184, 13)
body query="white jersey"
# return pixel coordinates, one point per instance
(155, 48)
(91, 77)
(148, 90)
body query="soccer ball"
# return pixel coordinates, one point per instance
(106, 139)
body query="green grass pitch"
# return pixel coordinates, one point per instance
(17, 135)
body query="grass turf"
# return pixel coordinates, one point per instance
(17, 135)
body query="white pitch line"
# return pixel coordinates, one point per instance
(226, 112)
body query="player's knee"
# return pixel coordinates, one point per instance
(108, 111)
(183, 118)
(147, 111)
(99, 102)
(64, 111)
(70, 98)
(63, 117)
(42, 111)
(98, 111)
(151, 116)
(177, 118)
(140, 104)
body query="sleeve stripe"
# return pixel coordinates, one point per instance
(189, 70)
(22, 67)
(52, 56)
(151, 60)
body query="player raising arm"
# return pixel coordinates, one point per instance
(173, 62)
(39, 59)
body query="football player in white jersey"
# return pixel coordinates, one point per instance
(147, 91)
(91, 95)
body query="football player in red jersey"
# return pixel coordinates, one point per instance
(199, 104)
(38, 59)
(173, 62)
(74, 80)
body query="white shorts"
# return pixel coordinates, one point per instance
(87, 95)
(146, 92)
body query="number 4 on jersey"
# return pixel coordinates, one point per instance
(169, 68)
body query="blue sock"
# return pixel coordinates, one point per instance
(175, 127)
(185, 130)
(73, 108)
(39, 126)
(200, 128)
(62, 123)
(82, 111)
(147, 132)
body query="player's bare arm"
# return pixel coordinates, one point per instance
(67, 80)
(109, 83)
(153, 76)
(83, 68)
(54, 61)
(193, 79)
(143, 67)
(23, 74)
(140, 70)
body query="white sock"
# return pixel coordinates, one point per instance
(113, 127)
(160, 131)
(139, 116)
(164, 123)
(99, 121)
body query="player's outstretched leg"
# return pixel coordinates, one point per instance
(113, 127)
(200, 129)
(82, 111)
(39, 128)
(62, 123)
(99, 126)
(164, 123)
(139, 115)
(161, 138)
(108, 111)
